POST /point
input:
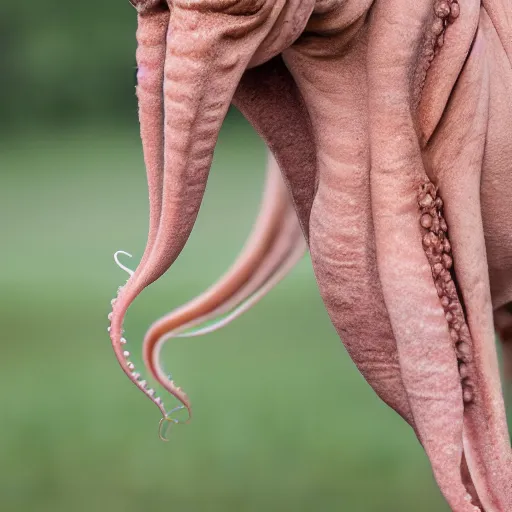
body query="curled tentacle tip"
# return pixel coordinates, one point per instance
(166, 422)
(120, 265)
(163, 427)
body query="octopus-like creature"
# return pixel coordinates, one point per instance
(389, 130)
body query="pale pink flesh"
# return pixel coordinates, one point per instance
(375, 171)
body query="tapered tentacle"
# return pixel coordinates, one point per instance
(152, 25)
(425, 327)
(457, 160)
(274, 247)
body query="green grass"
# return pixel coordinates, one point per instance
(283, 420)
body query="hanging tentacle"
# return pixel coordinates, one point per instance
(274, 247)
(152, 26)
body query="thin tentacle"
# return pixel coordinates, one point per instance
(275, 246)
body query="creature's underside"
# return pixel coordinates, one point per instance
(391, 124)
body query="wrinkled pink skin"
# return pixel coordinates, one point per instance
(361, 102)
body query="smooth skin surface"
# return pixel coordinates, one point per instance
(387, 120)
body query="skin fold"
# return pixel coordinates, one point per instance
(390, 122)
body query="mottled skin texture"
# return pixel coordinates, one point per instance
(390, 121)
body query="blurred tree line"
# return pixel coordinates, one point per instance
(66, 62)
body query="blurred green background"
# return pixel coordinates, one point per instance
(283, 420)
